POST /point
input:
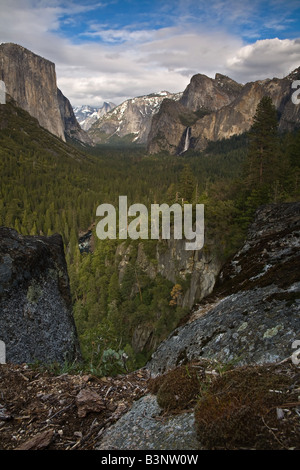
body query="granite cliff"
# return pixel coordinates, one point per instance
(31, 81)
(72, 129)
(205, 93)
(215, 109)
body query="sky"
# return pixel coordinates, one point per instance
(112, 50)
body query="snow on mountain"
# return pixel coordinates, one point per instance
(131, 119)
(87, 115)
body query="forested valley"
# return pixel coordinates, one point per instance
(49, 187)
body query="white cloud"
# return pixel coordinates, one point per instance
(136, 61)
(166, 61)
(115, 36)
(265, 59)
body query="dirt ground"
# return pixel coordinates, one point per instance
(39, 410)
(42, 410)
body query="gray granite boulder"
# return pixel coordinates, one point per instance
(36, 320)
(144, 428)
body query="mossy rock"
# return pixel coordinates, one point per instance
(177, 389)
(238, 411)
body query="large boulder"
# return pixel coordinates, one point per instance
(36, 320)
(253, 315)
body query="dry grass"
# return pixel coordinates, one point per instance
(252, 407)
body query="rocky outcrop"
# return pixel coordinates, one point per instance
(193, 272)
(130, 120)
(197, 269)
(237, 117)
(142, 428)
(253, 315)
(205, 93)
(168, 127)
(220, 108)
(202, 97)
(36, 321)
(72, 128)
(31, 81)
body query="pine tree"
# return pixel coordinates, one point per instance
(186, 184)
(293, 148)
(264, 152)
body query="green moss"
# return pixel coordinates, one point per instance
(238, 410)
(176, 390)
(34, 292)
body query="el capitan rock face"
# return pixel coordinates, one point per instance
(36, 320)
(31, 81)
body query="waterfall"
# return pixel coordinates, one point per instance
(187, 140)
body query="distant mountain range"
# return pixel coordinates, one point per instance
(131, 120)
(209, 109)
(87, 115)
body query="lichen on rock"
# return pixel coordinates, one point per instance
(36, 319)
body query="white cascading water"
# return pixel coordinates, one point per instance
(187, 140)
